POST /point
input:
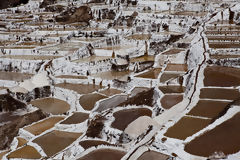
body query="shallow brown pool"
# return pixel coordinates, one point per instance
(208, 108)
(142, 58)
(221, 76)
(21, 142)
(172, 89)
(71, 77)
(172, 51)
(224, 137)
(140, 36)
(88, 101)
(186, 126)
(27, 152)
(14, 76)
(124, 117)
(51, 105)
(224, 56)
(111, 75)
(137, 90)
(79, 88)
(55, 141)
(167, 76)
(30, 57)
(224, 45)
(110, 92)
(111, 102)
(151, 74)
(77, 117)
(90, 143)
(104, 154)
(170, 100)
(219, 93)
(176, 67)
(44, 125)
(153, 155)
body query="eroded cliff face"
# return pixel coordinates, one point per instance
(10, 104)
(13, 116)
(12, 123)
(81, 14)
(11, 3)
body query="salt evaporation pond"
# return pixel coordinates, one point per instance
(55, 141)
(170, 100)
(90, 143)
(221, 76)
(75, 118)
(79, 88)
(224, 137)
(187, 126)
(151, 74)
(14, 76)
(104, 154)
(88, 101)
(126, 116)
(208, 108)
(42, 126)
(153, 155)
(219, 93)
(172, 89)
(51, 105)
(26, 152)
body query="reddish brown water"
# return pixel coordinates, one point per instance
(21, 142)
(140, 36)
(44, 125)
(51, 105)
(30, 57)
(187, 126)
(207, 108)
(224, 137)
(176, 67)
(14, 76)
(79, 88)
(224, 45)
(90, 143)
(55, 141)
(88, 101)
(152, 74)
(167, 76)
(111, 102)
(77, 117)
(104, 154)
(221, 76)
(110, 92)
(137, 90)
(71, 77)
(172, 51)
(224, 56)
(142, 59)
(27, 152)
(170, 100)
(153, 155)
(172, 89)
(126, 116)
(111, 75)
(219, 93)
(190, 13)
